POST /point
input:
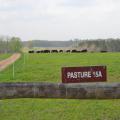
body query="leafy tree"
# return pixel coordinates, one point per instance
(15, 44)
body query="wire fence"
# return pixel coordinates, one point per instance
(30, 68)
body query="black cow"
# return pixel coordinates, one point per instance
(42, 51)
(68, 51)
(31, 51)
(74, 51)
(103, 51)
(54, 51)
(46, 51)
(38, 51)
(60, 51)
(84, 50)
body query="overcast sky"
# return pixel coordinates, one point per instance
(60, 19)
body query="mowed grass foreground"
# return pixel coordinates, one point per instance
(47, 68)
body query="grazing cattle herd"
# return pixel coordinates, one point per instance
(57, 51)
(61, 51)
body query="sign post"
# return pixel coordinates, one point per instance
(84, 74)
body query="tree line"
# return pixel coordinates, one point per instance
(10, 44)
(46, 43)
(110, 45)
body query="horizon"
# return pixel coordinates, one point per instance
(73, 39)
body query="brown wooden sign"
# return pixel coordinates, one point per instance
(84, 74)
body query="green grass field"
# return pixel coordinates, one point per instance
(47, 68)
(4, 56)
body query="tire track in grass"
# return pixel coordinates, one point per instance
(5, 63)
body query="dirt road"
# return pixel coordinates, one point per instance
(5, 63)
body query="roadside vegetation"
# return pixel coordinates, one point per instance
(10, 44)
(47, 68)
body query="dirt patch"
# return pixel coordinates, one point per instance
(5, 63)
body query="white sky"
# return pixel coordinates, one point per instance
(60, 19)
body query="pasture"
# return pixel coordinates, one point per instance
(47, 68)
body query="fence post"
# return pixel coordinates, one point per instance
(24, 58)
(13, 70)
